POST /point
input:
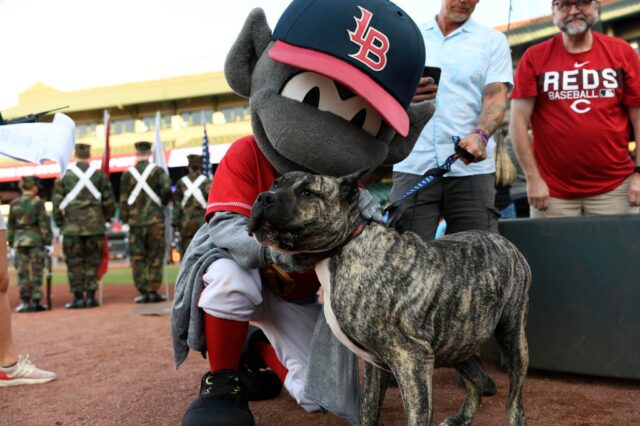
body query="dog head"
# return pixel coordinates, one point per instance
(306, 213)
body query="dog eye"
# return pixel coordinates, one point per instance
(307, 193)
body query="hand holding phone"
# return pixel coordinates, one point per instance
(428, 86)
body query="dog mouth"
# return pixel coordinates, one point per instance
(269, 232)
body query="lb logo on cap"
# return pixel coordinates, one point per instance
(379, 57)
(374, 45)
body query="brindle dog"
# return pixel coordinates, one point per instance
(401, 303)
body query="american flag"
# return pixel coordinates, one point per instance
(206, 160)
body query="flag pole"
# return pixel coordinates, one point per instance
(158, 158)
(106, 157)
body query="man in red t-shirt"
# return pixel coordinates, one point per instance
(579, 92)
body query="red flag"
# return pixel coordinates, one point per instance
(106, 156)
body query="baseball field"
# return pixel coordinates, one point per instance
(115, 367)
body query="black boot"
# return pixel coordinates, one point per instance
(36, 306)
(91, 299)
(143, 298)
(222, 402)
(154, 297)
(77, 302)
(261, 383)
(25, 306)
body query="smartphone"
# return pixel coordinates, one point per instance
(433, 72)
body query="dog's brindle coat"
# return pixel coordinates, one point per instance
(404, 304)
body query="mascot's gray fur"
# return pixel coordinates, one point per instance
(294, 137)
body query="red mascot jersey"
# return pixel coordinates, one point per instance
(243, 173)
(580, 122)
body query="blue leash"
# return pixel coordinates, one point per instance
(435, 173)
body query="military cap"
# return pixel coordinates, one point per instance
(83, 150)
(143, 147)
(28, 182)
(194, 160)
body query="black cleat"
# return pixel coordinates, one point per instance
(222, 402)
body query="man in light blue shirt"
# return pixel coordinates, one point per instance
(471, 102)
(476, 75)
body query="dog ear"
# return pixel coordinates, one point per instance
(245, 52)
(349, 186)
(419, 116)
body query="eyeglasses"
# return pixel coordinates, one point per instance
(565, 5)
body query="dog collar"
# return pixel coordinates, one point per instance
(360, 223)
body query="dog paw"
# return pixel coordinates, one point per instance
(456, 421)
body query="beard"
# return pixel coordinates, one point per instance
(576, 25)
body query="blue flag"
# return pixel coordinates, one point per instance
(206, 161)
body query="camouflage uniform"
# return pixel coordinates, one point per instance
(188, 212)
(146, 226)
(81, 221)
(28, 232)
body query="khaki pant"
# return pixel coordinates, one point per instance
(610, 203)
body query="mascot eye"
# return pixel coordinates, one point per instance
(326, 95)
(312, 97)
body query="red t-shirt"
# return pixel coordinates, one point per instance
(243, 173)
(580, 122)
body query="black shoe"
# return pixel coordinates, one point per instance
(36, 306)
(154, 297)
(143, 298)
(91, 299)
(24, 307)
(222, 402)
(261, 383)
(77, 302)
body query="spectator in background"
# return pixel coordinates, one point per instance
(506, 174)
(190, 202)
(579, 91)
(471, 103)
(14, 369)
(144, 190)
(82, 203)
(30, 236)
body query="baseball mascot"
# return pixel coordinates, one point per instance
(330, 92)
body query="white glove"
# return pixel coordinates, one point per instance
(12, 253)
(49, 250)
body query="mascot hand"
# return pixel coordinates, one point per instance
(369, 207)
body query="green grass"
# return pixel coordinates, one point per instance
(115, 276)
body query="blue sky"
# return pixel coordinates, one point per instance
(75, 44)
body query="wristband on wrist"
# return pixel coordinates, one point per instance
(482, 134)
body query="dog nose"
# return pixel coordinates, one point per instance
(266, 198)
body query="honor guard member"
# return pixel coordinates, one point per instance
(29, 232)
(144, 190)
(190, 202)
(82, 203)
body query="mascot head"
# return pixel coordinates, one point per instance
(330, 88)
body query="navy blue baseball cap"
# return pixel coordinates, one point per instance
(370, 46)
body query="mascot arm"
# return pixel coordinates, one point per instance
(228, 230)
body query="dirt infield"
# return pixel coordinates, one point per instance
(115, 368)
